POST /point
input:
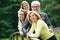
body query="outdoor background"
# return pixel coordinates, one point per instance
(9, 16)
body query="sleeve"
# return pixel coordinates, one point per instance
(25, 26)
(19, 26)
(38, 30)
(32, 29)
(48, 22)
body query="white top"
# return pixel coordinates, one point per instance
(20, 27)
(19, 22)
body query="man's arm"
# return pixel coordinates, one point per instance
(48, 22)
(25, 26)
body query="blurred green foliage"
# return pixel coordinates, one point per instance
(9, 18)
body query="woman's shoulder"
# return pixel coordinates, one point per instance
(40, 21)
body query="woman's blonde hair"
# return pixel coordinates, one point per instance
(36, 13)
(25, 3)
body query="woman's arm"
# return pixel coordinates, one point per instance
(38, 29)
(32, 29)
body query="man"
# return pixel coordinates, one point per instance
(35, 5)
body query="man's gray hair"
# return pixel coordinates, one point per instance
(35, 2)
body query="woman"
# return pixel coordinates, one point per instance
(40, 27)
(21, 19)
(24, 6)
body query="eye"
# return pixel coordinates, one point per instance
(20, 14)
(26, 5)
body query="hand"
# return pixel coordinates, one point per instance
(50, 30)
(21, 33)
(28, 38)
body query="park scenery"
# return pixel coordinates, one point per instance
(9, 17)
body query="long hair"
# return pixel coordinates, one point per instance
(21, 7)
(25, 3)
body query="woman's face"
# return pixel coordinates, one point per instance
(33, 17)
(25, 6)
(21, 16)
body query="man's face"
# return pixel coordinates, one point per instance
(35, 7)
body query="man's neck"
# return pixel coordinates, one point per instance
(37, 11)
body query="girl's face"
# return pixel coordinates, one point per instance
(21, 15)
(25, 6)
(33, 17)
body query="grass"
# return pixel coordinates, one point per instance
(5, 39)
(14, 38)
(57, 34)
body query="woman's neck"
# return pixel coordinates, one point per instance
(35, 21)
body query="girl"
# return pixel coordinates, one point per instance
(21, 16)
(25, 8)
